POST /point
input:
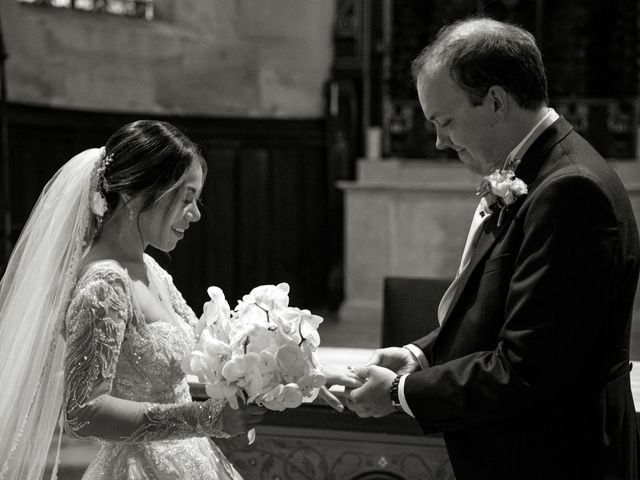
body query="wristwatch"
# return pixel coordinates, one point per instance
(393, 391)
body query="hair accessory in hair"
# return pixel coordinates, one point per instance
(98, 202)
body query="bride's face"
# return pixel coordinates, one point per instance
(165, 222)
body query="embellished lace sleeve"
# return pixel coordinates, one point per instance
(177, 300)
(97, 320)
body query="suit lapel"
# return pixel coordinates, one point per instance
(489, 235)
(528, 171)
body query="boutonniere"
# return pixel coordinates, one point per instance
(502, 188)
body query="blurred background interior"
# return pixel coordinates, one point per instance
(322, 170)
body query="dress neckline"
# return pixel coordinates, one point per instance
(152, 272)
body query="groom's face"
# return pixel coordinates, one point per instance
(469, 130)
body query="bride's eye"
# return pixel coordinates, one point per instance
(196, 200)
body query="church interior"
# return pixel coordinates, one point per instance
(322, 171)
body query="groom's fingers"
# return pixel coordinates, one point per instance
(355, 404)
(375, 359)
(330, 399)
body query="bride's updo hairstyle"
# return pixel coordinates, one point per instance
(147, 159)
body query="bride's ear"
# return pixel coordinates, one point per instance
(132, 205)
(124, 200)
(127, 202)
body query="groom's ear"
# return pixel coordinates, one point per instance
(499, 101)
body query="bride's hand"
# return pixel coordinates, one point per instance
(241, 420)
(337, 375)
(340, 375)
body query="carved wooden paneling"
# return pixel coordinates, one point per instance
(265, 214)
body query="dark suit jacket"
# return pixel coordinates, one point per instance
(529, 374)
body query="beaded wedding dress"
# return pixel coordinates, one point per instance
(125, 387)
(77, 351)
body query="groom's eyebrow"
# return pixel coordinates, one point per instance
(434, 117)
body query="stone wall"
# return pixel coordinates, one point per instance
(238, 58)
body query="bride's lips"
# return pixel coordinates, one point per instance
(179, 231)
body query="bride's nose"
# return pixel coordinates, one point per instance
(193, 214)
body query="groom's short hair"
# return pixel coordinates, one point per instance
(481, 52)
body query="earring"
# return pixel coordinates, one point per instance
(132, 212)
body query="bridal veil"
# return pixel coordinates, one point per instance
(34, 295)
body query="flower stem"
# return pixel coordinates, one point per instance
(300, 331)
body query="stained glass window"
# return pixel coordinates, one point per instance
(127, 8)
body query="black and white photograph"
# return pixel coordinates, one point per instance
(319, 240)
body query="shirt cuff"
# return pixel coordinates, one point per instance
(401, 397)
(419, 355)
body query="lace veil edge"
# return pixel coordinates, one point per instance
(35, 293)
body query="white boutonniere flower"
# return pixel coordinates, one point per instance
(502, 188)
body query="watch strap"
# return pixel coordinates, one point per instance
(395, 397)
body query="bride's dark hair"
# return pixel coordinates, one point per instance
(148, 158)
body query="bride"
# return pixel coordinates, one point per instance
(93, 330)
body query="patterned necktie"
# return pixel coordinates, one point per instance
(480, 216)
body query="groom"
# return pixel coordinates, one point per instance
(528, 373)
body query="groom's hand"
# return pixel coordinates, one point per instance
(398, 359)
(372, 399)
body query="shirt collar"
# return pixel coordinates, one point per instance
(518, 152)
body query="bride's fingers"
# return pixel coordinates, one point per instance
(255, 409)
(350, 380)
(330, 399)
(252, 419)
(339, 375)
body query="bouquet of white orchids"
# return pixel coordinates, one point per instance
(263, 351)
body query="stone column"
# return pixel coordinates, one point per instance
(402, 218)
